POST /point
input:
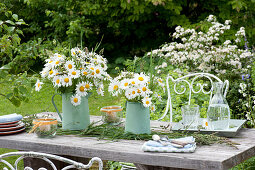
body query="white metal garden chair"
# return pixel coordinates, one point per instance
(46, 158)
(191, 81)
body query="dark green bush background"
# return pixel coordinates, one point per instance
(128, 27)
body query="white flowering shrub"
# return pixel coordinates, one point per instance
(207, 51)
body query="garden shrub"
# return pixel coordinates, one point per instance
(210, 49)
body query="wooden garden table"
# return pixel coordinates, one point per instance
(217, 156)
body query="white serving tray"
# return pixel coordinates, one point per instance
(234, 127)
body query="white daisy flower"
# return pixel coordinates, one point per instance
(73, 52)
(124, 84)
(74, 73)
(141, 78)
(80, 89)
(145, 90)
(57, 81)
(70, 65)
(114, 88)
(38, 85)
(146, 102)
(134, 93)
(76, 100)
(153, 108)
(66, 81)
(88, 86)
(133, 82)
(49, 62)
(59, 57)
(45, 72)
(98, 71)
(100, 91)
(84, 72)
(128, 94)
(56, 63)
(52, 73)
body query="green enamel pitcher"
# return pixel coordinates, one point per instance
(73, 117)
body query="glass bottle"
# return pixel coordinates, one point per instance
(218, 113)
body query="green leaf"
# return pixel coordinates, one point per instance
(5, 67)
(22, 89)
(15, 101)
(15, 16)
(10, 22)
(9, 95)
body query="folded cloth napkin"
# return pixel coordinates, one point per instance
(10, 118)
(154, 146)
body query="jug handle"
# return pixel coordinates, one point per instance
(52, 100)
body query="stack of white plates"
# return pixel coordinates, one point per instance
(11, 124)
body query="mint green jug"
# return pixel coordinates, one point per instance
(137, 118)
(73, 117)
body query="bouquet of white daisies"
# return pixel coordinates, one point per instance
(77, 73)
(137, 87)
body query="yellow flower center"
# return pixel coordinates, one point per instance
(50, 61)
(152, 108)
(82, 89)
(57, 81)
(85, 73)
(57, 74)
(87, 86)
(133, 82)
(115, 87)
(92, 68)
(66, 80)
(206, 123)
(70, 66)
(133, 92)
(160, 80)
(138, 91)
(59, 55)
(57, 62)
(97, 71)
(75, 100)
(125, 84)
(38, 84)
(74, 53)
(93, 73)
(144, 88)
(74, 73)
(147, 102)
(141, 78)
(51, 72)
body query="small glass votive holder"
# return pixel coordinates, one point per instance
(45, 127)
(190, 116)
(112, 114)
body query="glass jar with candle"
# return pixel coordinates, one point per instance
(45, 127)
(112, 114)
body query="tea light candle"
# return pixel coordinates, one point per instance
(111, 113)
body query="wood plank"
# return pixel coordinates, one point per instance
(205, 157)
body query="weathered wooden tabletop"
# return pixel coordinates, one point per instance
(217, 156)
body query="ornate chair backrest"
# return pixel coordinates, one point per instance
(46, 158)
(190, 80)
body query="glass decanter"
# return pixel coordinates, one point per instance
(218, 113)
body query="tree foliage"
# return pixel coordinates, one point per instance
(128, 27)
